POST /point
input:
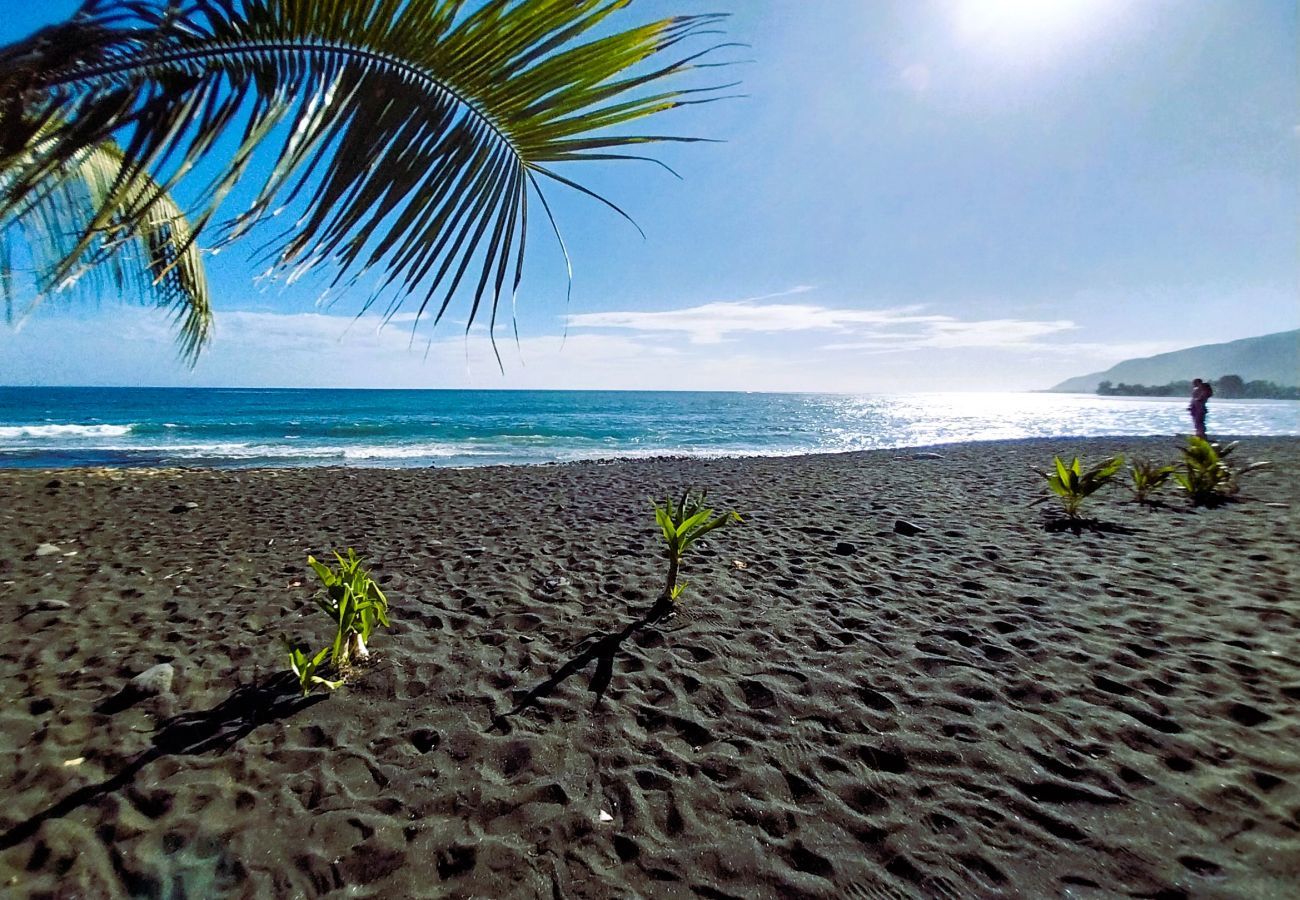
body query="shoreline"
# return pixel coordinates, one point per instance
(983, 707)
(1175, 441)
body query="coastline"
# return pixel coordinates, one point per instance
(415, 429)
(983, 707)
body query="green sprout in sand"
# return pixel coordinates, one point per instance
(1147, 479)
(683, 524)
(305, 667)
(1073, 485)
(1205, 473)
(353, 600)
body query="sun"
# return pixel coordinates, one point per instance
(1027, 26)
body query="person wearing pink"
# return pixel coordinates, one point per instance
(1201, 394)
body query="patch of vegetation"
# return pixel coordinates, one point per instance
(1072, 485)
(1148, 478)
(305, 667)
(1226, 387)
(356, 605)
(682, 525)
(353, 600)
(1205, 473)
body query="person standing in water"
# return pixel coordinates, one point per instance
(1201, 394)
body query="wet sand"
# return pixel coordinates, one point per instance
(984, 708)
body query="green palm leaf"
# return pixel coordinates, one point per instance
(406, 135)
(140, 242)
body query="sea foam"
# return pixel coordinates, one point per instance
(10, 432)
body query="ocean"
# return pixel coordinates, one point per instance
(56, 427)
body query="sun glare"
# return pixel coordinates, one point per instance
(1028, 27)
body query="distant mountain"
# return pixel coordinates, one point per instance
(1270, 357)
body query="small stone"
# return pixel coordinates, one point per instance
(844, 548)
(154, 680)
(554, 584)
(49, 604)
(902, 526)
(605, 816)
(48, 549)
(184, 507)
(475, 551)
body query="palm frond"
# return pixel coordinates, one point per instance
(143, 247)
(406, 135)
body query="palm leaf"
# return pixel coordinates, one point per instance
(410, 133)
(140, 243)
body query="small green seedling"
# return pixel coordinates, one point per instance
(682, 525)
(305, 667)
(1073, 485)
(1205, 474)
(1147, 479)
(353, 600)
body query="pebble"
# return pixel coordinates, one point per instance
(184, 507)
(902, 526)
(154, 680)
(554, 584)
(48, 549)
(844, 548)
(48, 604)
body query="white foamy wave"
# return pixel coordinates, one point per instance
(228, 450)
(10, 432)
(414, 451)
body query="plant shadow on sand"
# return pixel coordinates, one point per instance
(1079, 526)
(214, 730)
(603, 648)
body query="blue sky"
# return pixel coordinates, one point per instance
(915, 195)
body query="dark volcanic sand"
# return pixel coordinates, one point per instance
(983, 709)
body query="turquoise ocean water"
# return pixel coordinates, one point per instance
(47, 427)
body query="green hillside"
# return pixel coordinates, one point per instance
(1270, 357)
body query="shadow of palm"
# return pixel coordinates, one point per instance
(212, 730)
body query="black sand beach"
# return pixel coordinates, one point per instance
(983, 708)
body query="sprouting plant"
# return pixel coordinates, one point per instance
(1148, 478)
(1073, 485)
(682, 525)
(1205, 474)
(305, 667)
(355, 603)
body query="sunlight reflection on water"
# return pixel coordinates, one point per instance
(918, 419)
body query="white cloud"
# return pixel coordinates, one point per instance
(891, 329)
(945, 333)
(712, 323)
(132, 346)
